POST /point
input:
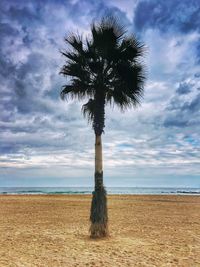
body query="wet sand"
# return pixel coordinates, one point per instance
(52, 230)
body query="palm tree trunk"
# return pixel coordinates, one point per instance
(98, 215)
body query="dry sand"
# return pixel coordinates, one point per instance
(145, 231)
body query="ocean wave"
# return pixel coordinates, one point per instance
(38, 192)
(88, 190)
(188, 192)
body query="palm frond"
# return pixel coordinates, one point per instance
(119, 98)
(113, 24)
(88, 110)
(65, 91)
(75, 70)
(106, 35)
(77, 90)
(74, 57)
(76, 42)
(131, 49)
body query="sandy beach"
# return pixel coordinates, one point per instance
(50, 230)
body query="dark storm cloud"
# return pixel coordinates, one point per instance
(175, 121)
(26, 84)
(7, 68)
(183, 16)
(197, 75)
(198, 52)
(6, 29)
(193, 106)
(182, 112)
(184, 88)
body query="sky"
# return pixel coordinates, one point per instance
(47, 142)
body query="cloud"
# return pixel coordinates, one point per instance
(167, 16)
(193, 106)
(183, 89)
(127, 7)
(183, 110)
(41, 136)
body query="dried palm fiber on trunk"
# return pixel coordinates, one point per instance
(98, 215)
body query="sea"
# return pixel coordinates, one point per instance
(88, 190)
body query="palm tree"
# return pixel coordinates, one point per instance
(105, 69)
